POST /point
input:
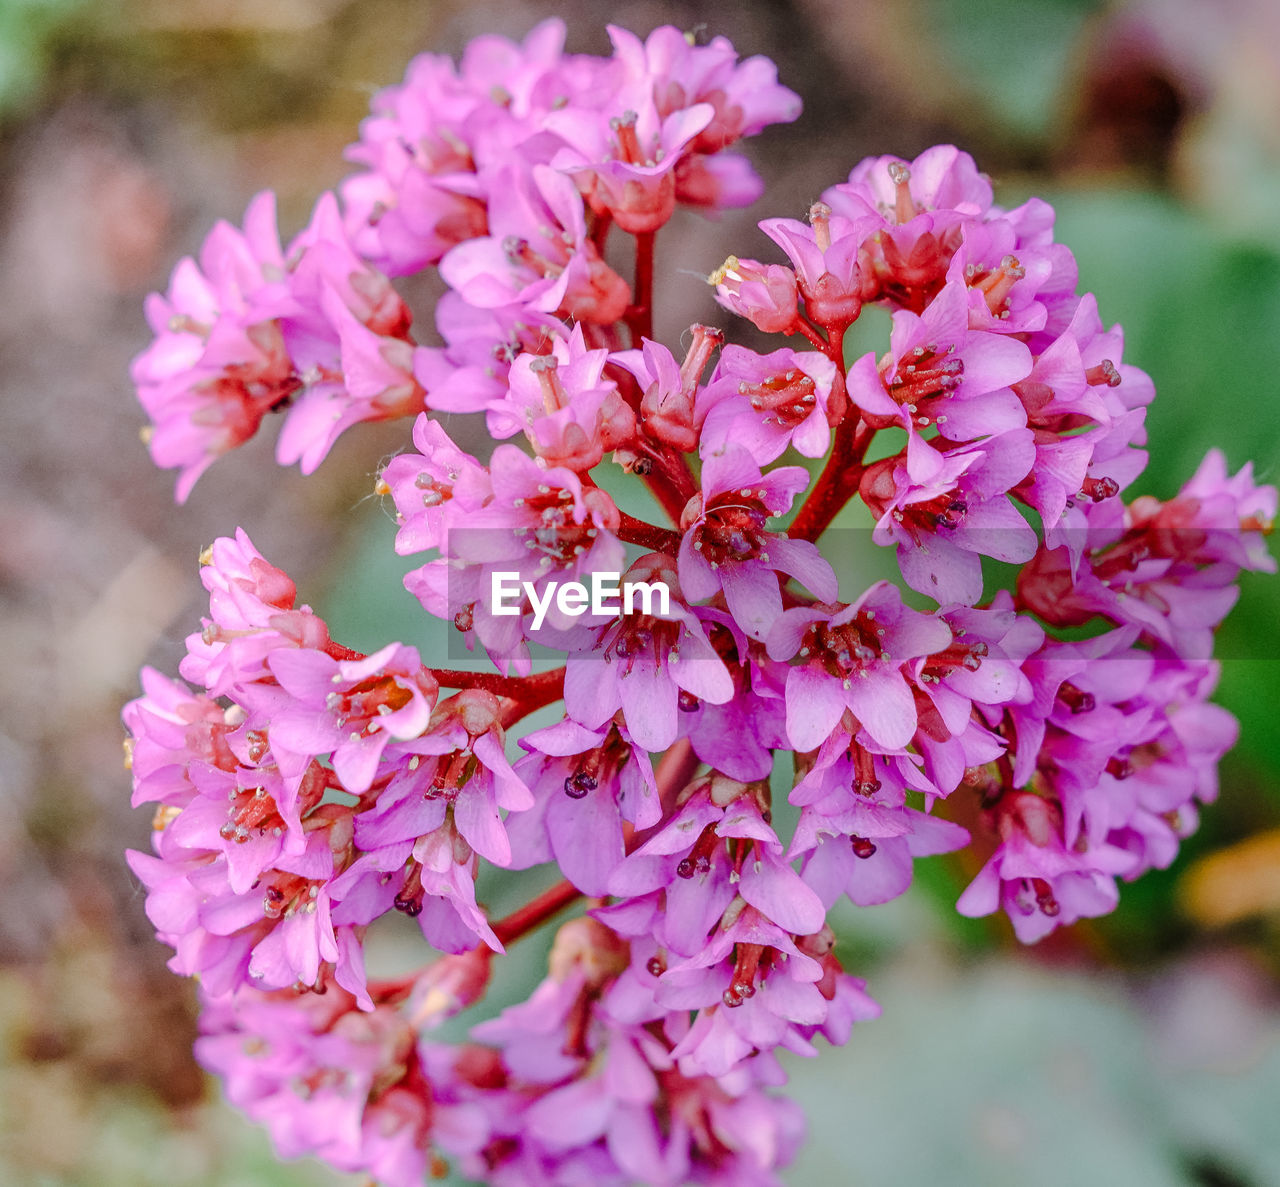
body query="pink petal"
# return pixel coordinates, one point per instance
(815, 704)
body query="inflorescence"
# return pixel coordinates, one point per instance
(1060, 730)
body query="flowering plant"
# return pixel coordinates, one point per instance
(1061, 729)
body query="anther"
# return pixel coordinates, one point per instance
(1044, 897)
(1076, 699)
(1119, 768)
(577, 785)
(1104, 373)
(624, 127)
(1098, 489)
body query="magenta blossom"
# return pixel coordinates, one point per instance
(851, 658)
(651, 664)
(714, 748)
(726, 547)
(767, 402)
(586, 783)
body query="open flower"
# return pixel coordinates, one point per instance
(851, 658)
(727, 548)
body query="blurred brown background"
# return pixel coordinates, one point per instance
(1142, 1050)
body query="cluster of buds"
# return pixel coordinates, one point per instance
(1060, 730)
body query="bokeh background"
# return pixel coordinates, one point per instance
(1141, 1049)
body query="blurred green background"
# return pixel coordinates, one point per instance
(1140, 1049)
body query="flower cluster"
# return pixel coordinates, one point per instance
(507, 172)
(1059, 731)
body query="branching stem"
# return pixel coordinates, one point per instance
(837, 483)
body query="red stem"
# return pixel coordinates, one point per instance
(675, 465)
(514, 710)
(835, 347)
(647, 535)
(668, 482)
(837, 483)
(539, 689)
(536, 912)
(640, 315)
(669, 478)
(807, 328)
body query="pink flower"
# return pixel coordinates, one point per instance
(351, 709)
(625, 163)
(219, 362)
(669, 406)
(767, 402)
(826, 260)
(276, 933)
(254, 330)
(464, 765)
(470, 371)
(1038, 882)
(745, 95)
(414, 860)
(716, 848)
(939, 374)
(303, 793)
(754, 988)
(328, 1080)
(571, 414)
(252, 613)
(865, 847)
(765, 294)
(537, 255)
(919, 212)
(726, 547)
(433, 486)
(430, 140)
(541, 524)
(852, 659)
(374, 381)
(585, 782)
(1167, 568)
(649, 664)
(952, 510)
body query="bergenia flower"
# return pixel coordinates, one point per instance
(851, 658)
(652, 664)
(673, 713)
(727, 548)
(767, 402)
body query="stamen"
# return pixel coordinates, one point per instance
(742, 983)
(1044, 897)
(1098, 489)
(1076, 699)
(995, 286)
(705, 340)
(1119, 768)
(699, 859)
(1104, 373)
